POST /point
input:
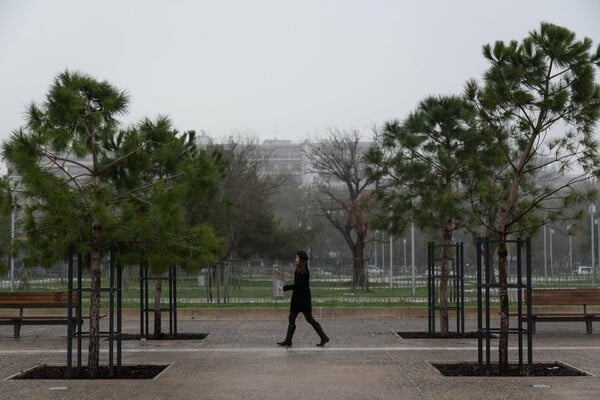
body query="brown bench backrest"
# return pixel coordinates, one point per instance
(35, 299)
(565, 296)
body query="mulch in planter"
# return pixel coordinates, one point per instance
(165, 336)
(125, 372)
(537, 369)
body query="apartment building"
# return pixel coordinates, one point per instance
(284, 157)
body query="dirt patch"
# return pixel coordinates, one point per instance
(60, 372)
(165, 336)
(537, 369)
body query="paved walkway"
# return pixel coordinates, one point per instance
(366, 359)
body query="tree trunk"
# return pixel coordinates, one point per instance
(95, 286)
(157, 310)
(446, 238)
(503, 296)
(358, 274)
(359, 278)
(503, 218)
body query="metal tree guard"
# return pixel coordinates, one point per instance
(113, 336)
(456, 284)
(523, 293)
(145, 305)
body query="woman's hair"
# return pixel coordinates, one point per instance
(302, 266)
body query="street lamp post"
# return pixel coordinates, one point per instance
(594, 269)
(375, 247)
(382, 256)
(12, 185)
(545, 256)
(12, 256)
(551, 252)
(570, 248)
(412, 258)
(391, 261)
(597, 222)
(404, 254)
(592, 210)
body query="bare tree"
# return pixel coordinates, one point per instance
(244, 193)
(241, 213)
(341, 193)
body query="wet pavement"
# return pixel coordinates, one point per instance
(366, 359)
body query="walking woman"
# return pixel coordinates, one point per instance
(301, 301)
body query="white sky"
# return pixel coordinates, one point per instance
(268, 68)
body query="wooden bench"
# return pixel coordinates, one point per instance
(544, 302)
(32, 300)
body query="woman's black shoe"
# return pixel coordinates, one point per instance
(285, 343)
(323, 341)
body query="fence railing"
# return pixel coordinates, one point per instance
(254, 287)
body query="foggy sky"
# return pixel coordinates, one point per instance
(270, 69)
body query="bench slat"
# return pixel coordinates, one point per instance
(26, 300)
(565, 296)
(35, 299)
(558, 315)
(36, 317)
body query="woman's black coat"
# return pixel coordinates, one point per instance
(301, 298)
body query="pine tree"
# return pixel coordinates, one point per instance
(423, 169)
(540, 101)
(89, 184)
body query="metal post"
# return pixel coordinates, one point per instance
(171, 300)
(592, 210)
(519, 304)
(479, 304)
(391, 261)
(529, 307)
(431, 286)
(175, 300)
(551, 252)
(382, 251)
(111, 312)
(412, 259)
(404, 254)
(488, 270)
(462, 287)
(593, 268)
(545, 256)
(570, 248)
(12, 258)
(79, 309)
(382, 255)
(375, 248)
(70, 313)
(141, 271)
(146, 300)
(119, 313)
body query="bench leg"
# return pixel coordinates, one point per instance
(588, 326)
(17, 330)
(74, 327)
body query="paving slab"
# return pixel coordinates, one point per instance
(366, 359)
